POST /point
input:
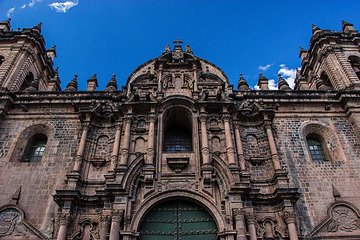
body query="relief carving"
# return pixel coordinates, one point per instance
(10, 223)
(343, 219)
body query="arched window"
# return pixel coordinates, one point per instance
(325, 78)
(177, 140)
(317, 151)
(178, 134)
(355, 64)
(2, 59)
(35, 148)
(28, 79)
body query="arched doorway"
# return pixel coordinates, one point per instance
(178, 220)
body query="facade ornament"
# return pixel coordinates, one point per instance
(289, 217)
(238, 214)
(250, 218)
(73, 85)
(112, 84)
(64, 219)
(242, 84)
(283, 85)
(117, 215)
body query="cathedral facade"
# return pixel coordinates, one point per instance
(179, 153)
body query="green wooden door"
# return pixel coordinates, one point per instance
(178, 220)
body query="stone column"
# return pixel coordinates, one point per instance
(251, 219)
(64, 222)
(115, 224)
(195, 77)
(239, 147)
(204, 138)
(105, 224)
(273, 150)
(116, 146)
(81, 149)
(239, 224)
(160, 78)
(126, 141)
(151, 139)
(228, 140)
(289, 218)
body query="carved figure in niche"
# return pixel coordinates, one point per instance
(215, 144)
(343, 219)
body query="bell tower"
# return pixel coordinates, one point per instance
(332, 61)
(25, 64)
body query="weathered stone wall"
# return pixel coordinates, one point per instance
(315, 179)
(38, 180)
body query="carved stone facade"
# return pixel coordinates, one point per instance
(178, 153)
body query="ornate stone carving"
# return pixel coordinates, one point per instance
(9, 218)
(343, 219)
(180, 184)
(289, 217)
(251, 218)
(238, 214)
(64, 219)
(117, 215)
(105, 219)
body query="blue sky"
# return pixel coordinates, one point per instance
(116, 36)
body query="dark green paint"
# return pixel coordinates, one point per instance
(178, 220)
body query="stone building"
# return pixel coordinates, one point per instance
(178, 153)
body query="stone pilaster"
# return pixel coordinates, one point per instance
(126, 141)
(273, 150)
(230, 152)
(81, 149)
(105, 221)
(289, 218)
(116, 146)
(116, 219)
(64, 221)
(251, 220)
(239, 147)
(239, 219)
(151, 139)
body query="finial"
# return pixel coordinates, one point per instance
(263, 82)
(16, 197)
(336, 193)
(315, 28)
(282, 84)
(112, 84)
(242, 84)
(73, 85)
(347, 27)
(188, 49)
(38, 27)
(177, 44)
(167, 48)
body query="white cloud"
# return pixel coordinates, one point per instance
(264, 68)
(23, 6)
(272, 85)
(63, 7)
(33, 2)
(288, 74)
(10, 11)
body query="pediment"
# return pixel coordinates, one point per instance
(342, 222)
(13, 225)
